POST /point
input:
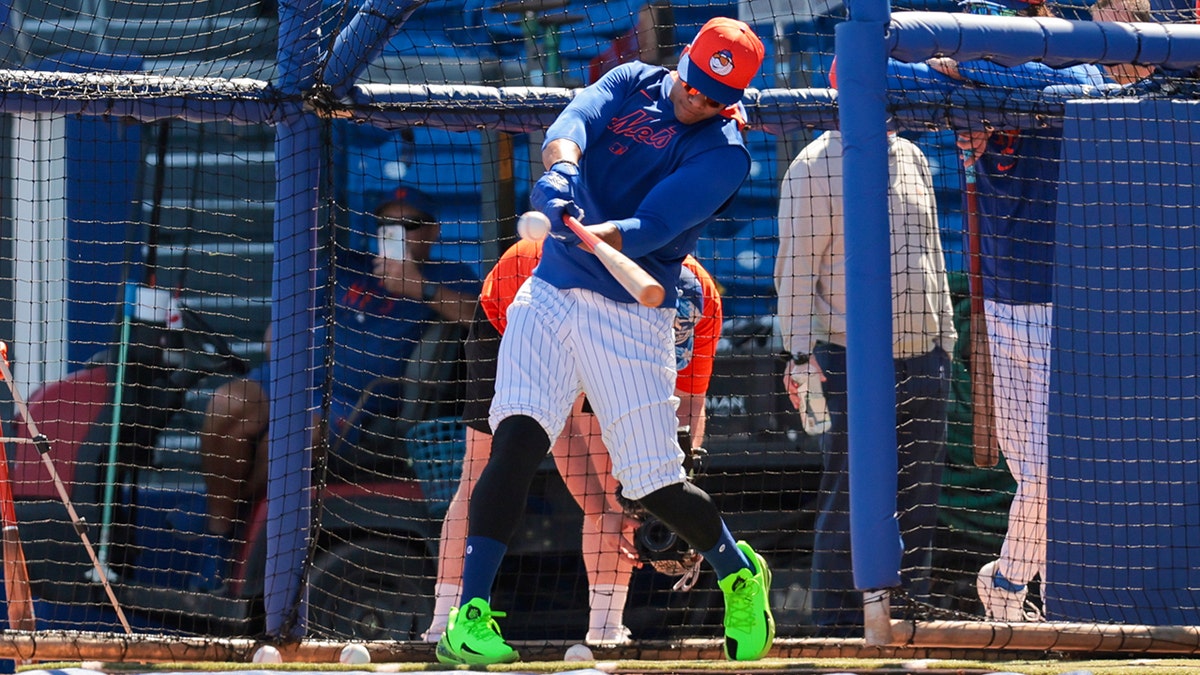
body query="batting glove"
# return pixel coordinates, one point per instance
(558, 229)
(560, 182)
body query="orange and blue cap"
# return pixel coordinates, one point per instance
(722, 60)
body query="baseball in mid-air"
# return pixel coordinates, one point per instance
(354, 654)
(578, 653)
(533, 225)
(267, 654)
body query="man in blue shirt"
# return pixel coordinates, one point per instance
(648, 156)
(383, 307)
(1016, 174)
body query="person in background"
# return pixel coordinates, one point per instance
(383, 306)
(810, 279)
(1016, 174)
(579, 453)
(1127, 11)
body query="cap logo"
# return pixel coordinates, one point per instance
(721, 63)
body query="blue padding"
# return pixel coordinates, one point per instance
(872, 432)
(1124, 483)
(917, 36)
(461, 107)
(785, 111)
(362, 40)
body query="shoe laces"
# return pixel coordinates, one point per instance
(741, 606)
(484, 626)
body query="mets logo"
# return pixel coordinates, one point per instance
(642, 127)
(721, 62)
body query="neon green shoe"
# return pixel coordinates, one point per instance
(749, 626)
(473, 637)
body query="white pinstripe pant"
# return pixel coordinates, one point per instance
(1020, 344)
(559, 342)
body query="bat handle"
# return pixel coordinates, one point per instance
(587, 236)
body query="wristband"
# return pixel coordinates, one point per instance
(565, 161)
(428, 290)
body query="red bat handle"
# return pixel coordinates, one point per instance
(589, 239)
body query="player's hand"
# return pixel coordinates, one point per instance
(972, 144)
(789, 385)
(616, 534)
(559, 229)
(796, 373)
(561, 181)
(558, 191)
(946, 66)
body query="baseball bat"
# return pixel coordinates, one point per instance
(986, 446)
(16, 572)
(127, 312)
(629, 274)
(43, 446)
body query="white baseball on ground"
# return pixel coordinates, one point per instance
(354, 654)
(267, 654)
(533, 225)
(578, 653)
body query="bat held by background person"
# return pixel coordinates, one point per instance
(629, 274)
(986, 447)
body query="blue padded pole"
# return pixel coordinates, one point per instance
(862, 98)
(293, 310)
(362, 40)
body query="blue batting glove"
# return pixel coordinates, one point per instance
(560, 182)
(558, 229)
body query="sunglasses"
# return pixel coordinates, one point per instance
(705, 101)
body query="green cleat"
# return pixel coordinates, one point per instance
(749, 626)
(473, 637)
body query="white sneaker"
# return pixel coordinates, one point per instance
(1002, 604)
(434, 633)
(609, 636)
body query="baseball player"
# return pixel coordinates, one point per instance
(1017, 175)
(582, 460)
(648, 156)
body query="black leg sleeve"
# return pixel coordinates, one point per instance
(498, 500)
(687, 510)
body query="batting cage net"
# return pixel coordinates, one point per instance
(189, 186)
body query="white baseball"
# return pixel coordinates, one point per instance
(578, 653)
(267, 654)
(354, 654)
(533, 225)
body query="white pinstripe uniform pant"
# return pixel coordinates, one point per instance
(559, 342)
(1019, 336)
